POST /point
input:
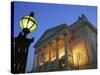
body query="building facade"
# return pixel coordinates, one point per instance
(67, 47)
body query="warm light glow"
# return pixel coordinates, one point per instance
(47, 53)
(61, 47)
(79, 54)
(41, 63)
(46, 60)
(53, 50)
(63, 65)
(53, 59)
(28, 22)
(61, 55)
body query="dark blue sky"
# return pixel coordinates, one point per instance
(47, 16)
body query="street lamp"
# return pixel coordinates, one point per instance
(28, 23)
(21, 43)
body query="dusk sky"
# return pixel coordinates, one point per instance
(48, 16)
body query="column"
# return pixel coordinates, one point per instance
(66, 50)
(86, 43)
(57, 53)
(50, 56)
(44, 52)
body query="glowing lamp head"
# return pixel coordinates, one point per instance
(28, 23)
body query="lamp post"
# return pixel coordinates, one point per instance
(21, 44)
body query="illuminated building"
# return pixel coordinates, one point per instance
(67, 47)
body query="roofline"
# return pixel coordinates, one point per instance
(72, 27)
(84, 19)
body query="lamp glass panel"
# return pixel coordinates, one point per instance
(25, 21)
(30, 24)
(33, 28)
(31, 18)
(21, 22)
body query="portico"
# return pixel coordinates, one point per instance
(52, 50)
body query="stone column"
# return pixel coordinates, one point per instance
(49, 56)
(66, 50)
(86, 43)
(44, 53)
(57, 53)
